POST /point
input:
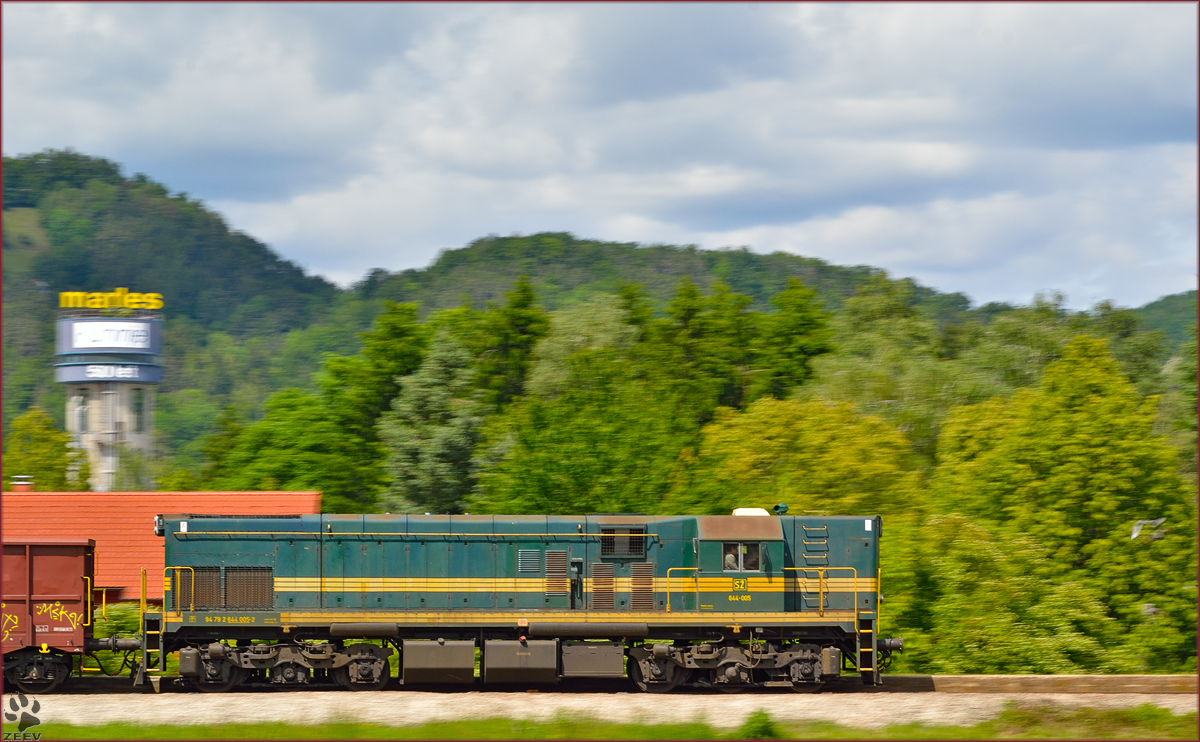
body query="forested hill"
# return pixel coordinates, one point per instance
(245, 323)
(1174, 315)
(565, 269)
(95, 229)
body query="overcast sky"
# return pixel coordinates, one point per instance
(994, 149)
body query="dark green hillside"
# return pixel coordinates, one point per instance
(105, 231)
(566, 269)
(237, 312)
(1172, 314)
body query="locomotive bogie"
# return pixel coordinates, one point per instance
(215, 665)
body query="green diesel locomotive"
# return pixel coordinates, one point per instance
(727, 602)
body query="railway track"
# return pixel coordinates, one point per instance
(932, 700)
(1005, 684)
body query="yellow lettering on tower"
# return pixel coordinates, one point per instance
(119, 298)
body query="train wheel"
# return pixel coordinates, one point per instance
(52, 673)
(808, 687)
(43, 685)
(236, 675)
(732, 679)
(674, 676)
(342, 676)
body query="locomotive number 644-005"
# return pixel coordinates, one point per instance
(724, 602)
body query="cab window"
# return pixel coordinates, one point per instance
(740, 557)
(749, 557)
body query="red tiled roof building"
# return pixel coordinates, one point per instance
(122, 524)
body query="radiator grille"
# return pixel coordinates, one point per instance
(603, 586)
(529, 560)
(641, 597)
(206, 594)
(556, 573)
(249, 588)
(622, 542)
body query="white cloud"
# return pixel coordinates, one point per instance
(994, 149)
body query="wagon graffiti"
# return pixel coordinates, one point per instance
(11, 623)
(59, 613)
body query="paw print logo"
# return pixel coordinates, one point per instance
(18, 708)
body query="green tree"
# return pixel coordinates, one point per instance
(891, 362)
(35, 447)
(510, 334)
(1017, 345)
(1177, 414)
(358, 389)
(991, 608)
(217, 446)
(791, 338)
(135, 472)
(1073, 465)
(814, 456)
(1139, 352)
(702, 353)
(299, 445)
(600, 322)
(431, 431)
(606, 442)
(332, 432)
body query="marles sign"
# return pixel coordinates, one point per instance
(121, 298)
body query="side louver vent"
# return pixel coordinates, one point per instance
(623, 542)
(529, 560)
(603, 586)
(641, 596)
(201, 593)
(556, 573)
(249, 588)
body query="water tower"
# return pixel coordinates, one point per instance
(106, 351)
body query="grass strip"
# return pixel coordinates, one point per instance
(1015, 722)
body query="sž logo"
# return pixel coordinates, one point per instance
(20, 710)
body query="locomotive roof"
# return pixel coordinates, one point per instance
(709, 527)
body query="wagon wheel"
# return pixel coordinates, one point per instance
(41, 685)
(235, 676)
(58, 671)
(675, 675)
(342, 676)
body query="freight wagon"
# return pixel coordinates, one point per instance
(47, 612)
(726, 602)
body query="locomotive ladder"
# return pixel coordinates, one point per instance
(147, 632)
